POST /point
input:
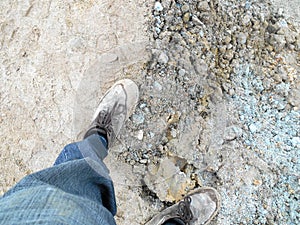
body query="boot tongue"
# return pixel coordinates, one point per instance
(184, 210)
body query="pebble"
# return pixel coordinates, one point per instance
(232, 133)
(158, 7)
(296, 141)
(181, 72)
(278, 41)
(185, 8)
(140, 135)
(157, 86)
(186, 17)
(163, 58)
(252, 128)
(203, 6)
(246, 20)
(143, 161)
(242, 38)
(138, 118)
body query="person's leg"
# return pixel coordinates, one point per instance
(72, 152)
(77, 189)
(67, 192)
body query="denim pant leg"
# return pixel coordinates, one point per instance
(77, 190)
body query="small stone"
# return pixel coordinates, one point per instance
(231, 92)
(163, 58)
(158, 30)
(222, 49)
(140, 135)
(227, 40)
(280, 11)
(197, 21)
(143, 105)
(186, 17)
(277, 41)
(257, 182)
(158, 7)
(173, 133)
(203, 6)
(256, 25)
(242, 38)
(167, 181)
(246, 20)
(272, 28)
(185, 8)
(232, 133)
(157, 86)
(252, 128)
(295, 141)
(138, 118)
(283, 27)
(181, 72)
(143, 161)
(229, 54)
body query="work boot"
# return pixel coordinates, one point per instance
(197, 208)
(114, 108)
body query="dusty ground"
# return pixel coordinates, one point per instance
(234, 129)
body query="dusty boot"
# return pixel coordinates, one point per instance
(114, 108)
(197, 208)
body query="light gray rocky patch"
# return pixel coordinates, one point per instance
(203, 6)
(167, 181)
(185, 8)
(163, 58)
(242, 38)
(157, 86)
(138, 118)
(278, 41)
(232, 133)
(252, 128)
(158, 7)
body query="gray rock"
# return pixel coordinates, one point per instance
(242, 38)
(163, 58)
(138, 118)
(252, 128)
(296, 142)
(185, 8)
(157, 86)
(232, 133)
(278, 41)
(167, 181)
(186, 17)
(246, 20)
(181, 72)
(158, 7)
(203, 6)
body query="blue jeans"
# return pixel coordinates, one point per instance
(76, 190)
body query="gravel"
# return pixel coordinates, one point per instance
(220, 94)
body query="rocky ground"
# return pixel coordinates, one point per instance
(219, 101)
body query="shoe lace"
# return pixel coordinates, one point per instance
(184, 210)
(105, 121)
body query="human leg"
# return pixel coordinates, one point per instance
(77, 189)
